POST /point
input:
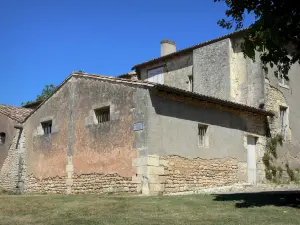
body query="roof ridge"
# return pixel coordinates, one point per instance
(184, 50)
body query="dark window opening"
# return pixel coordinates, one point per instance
(2, 138)
(202, 135)
(190, 83)
(47, 127)
(103, 114)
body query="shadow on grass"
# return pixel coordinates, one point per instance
(258, 199)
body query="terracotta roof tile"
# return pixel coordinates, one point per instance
(150, 85)
(18, 114)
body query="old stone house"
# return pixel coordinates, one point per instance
(193, 118)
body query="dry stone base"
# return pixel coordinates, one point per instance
(81, 184)
(184, 174)
(53, 185)
(102, 183)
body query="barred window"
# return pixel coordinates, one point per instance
(47, 127)
(202, 135)
(190, 83)
(2, 138)
(103, 114)
(283, 121)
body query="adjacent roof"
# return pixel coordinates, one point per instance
(186, 50)
(150, 85)
(18, 114)
(129, 75)
(33, 105)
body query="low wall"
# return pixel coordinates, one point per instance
(184, 174)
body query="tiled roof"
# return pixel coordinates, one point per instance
(147, 84)
(18, 114)
(180, 92)
(115, 79)
(185, 50)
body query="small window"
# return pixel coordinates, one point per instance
(202, 135)
(2, 138)
(47, 127)
(102, 114)
(283, 81)
(283, 121)
(190, 83)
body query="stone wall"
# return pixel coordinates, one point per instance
(7, 127)
(289, 152)
(182, 174)
(246, 76)
(102, 183)
(51, 185)
(212, 70)
(176, 71)
(11, 172)
(80, 155)
(81, 184)
(159, 175)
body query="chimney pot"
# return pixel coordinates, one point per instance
(167, 47)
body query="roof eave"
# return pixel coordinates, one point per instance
(214, 100)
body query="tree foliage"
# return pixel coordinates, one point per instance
(275, 33)
(46, 92)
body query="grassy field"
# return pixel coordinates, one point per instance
(243, 209)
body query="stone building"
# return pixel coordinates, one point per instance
(190, 119)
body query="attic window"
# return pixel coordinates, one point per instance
(2, 138)
(102, 114)
(47, 127)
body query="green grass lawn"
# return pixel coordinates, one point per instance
(254, 209)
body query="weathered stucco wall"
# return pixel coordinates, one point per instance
(177, 71)
(7, 127)
(173, 128)
(173, 132)
(81, 155)
(46, 156)
(212, 71)
(277, 96)
(246, 76)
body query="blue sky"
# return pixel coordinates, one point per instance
(42, 42)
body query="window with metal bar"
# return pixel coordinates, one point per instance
(202, 135)
(47, 127)
(103, 114)
(283, 121)
(191, 83)
(2, 138)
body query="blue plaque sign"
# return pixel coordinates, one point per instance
(138, 126)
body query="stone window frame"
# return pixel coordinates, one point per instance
(205, 136)
(102, 114)
(47, 127)
(54, 127)
(91, 119)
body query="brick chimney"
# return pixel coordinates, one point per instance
(167, 47)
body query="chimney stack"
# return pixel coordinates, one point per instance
(167, 47)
